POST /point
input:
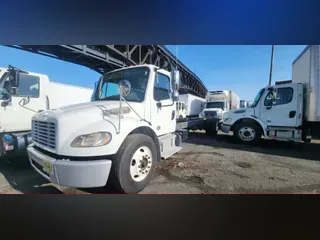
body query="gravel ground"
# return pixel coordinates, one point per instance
(205, 165)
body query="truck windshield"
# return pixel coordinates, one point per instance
(138, 78)
(257, 99)
(215, 105)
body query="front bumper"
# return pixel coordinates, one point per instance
(225, 128)
(78, 174)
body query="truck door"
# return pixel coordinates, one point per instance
(163, 114)
(25, 102)
(282, 111)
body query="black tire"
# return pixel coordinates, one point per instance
(250, 125)
(211, 127)
(120, 170)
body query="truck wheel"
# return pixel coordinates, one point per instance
(134, 164)
(212, 128)
(247, 133)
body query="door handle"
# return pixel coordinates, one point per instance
(292, 114)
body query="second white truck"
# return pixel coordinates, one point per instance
(22, 95)
(288, 111)
(218, 102)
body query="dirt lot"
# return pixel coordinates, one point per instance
(205, 165)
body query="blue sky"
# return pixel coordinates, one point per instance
(243, 69)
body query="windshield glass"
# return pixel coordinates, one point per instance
(215, 105)
(138, 78)
(257, 98)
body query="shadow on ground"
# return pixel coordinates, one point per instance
(303, 151)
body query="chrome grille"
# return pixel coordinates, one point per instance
(44, 133)
(209, 114)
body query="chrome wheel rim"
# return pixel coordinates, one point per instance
(140, 164)
(247, 134)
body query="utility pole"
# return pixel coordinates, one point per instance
(271, 64)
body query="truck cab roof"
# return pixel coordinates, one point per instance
(151, 66)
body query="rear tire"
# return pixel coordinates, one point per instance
(247, 133)
(134, 164)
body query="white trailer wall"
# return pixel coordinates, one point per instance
(62, 94)
(194, 103)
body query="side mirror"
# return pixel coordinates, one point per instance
(14, 78)
(176, 80)
(175, 96)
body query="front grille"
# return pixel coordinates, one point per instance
(44, 133)
(210, 114)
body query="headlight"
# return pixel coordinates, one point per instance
(92, 140)
(227, 120)
(201, 115)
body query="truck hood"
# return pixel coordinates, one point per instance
(213, 109)
(92, 110)
(243, 111)
(218, 110)
(72, 121)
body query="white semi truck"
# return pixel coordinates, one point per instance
(218, 102)
(128, 126)
(23, 97)
(287, 111)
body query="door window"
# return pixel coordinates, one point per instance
(283, 96)
(28, 86)
(161, 87)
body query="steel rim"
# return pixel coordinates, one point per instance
(140, 164)
(247, 134)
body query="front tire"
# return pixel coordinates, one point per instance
(212, 127)
(134, 164)
(247, 133)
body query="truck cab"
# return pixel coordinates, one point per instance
(129, 125)
(20, 99)
(275, 113)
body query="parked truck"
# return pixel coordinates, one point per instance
(243, 103)
(193, 103)
(218, 102)
(23, 97)
(287, 111)
(128, 127)
(181, 110)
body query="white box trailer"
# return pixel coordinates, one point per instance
(194, 104)
(305, 70)
(71, 94)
